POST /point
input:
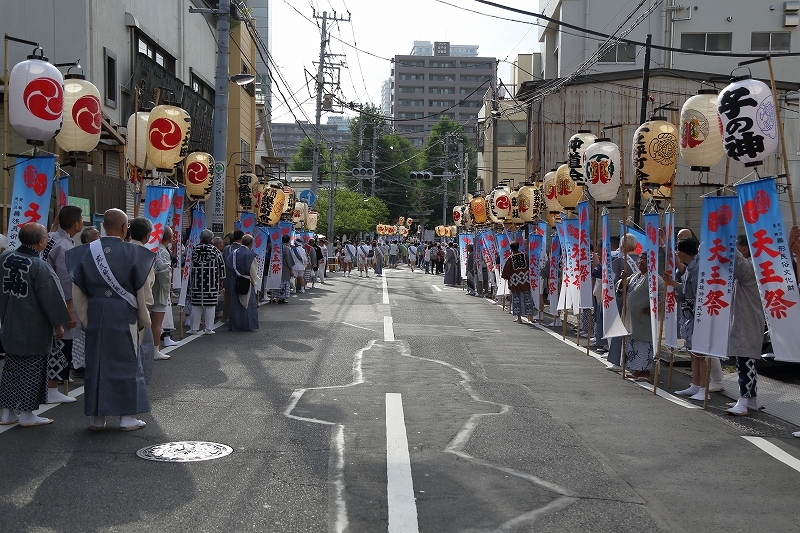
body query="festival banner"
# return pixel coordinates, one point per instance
(714, 300)
(639, 234)
(504, 251)
(248, 221)
(763, 225)
(650, 248)
(564, 293)
(237, 225)
(275, 258)
(260, 247)
(176, 218)
(30, 197)
(198, 225)
(573, 284)
(584, 269)
(63, 192)
(463, 240)
(553, 280)
(670, 301)
(490, 255)
(287, 228)
(158, 204)
(535, 245)
(612, 323)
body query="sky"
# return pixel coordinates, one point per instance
(384, 28)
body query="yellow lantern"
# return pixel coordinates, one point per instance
(271, 205)
(136, 141)
(300, 213)
(531, 202)
(403, 231)
(453, 233)
(80, 131)
(499, 201)
(568, 192)
(477, 209)
(401, 221)
(197, 174)
(390, 230)
(550, 194)
(379, 229)
(655, 151)
(167, 136)
(701, 139)
(247, 187)
(312, 219)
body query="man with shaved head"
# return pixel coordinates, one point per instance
(110, 297)
(32, 308)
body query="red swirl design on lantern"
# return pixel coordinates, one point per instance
(165, 134)
(196, 172)
(502, 202)
(44, 98)
(86, 114)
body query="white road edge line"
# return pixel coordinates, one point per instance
(437, 288)
(769, 448)
(388, 329)
(400, 486)
(385, 289)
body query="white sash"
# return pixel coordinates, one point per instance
(99, 257)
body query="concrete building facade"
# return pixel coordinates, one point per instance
(287, 136)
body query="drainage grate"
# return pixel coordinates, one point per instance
(184, 451)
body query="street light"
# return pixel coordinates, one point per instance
(242, 79)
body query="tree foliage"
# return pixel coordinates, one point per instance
(303, 159)
(351, 213)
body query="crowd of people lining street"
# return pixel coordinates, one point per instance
(66, 309)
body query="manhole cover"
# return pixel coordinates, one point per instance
(184, 452)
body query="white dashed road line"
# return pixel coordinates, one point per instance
(400, 486)
(774, 451)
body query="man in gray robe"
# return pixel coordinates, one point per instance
(31, 307)
(244, 307)
(110, 297)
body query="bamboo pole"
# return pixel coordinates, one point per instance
(5, 136)
(657, 349)
(623, 356)
(707, 381)
(783, 141)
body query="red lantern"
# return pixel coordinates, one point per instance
(35, 99)
(167, 136)
(80, 131)
(197, 173)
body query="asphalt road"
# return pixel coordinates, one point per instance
(398, 404)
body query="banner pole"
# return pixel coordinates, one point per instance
(657, 349)
(783, 141)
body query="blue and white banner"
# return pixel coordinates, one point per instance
(536, 234)
(30, 197)
(571, 283)
(260, 247)
(464, 239)
(176, 221)
(584, 268)
(670, 301)
(490, 256)
(636, 232)
(763, 226)
(612, 323)
(275, 264)
(287, 228)
(63, 192)
(714, 301)
(158, 205)
(248, 222)
(650, 249)
(554, 280)
(198, 225)
(504, 250)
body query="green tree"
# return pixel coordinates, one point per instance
(303, 159)
(351, 212)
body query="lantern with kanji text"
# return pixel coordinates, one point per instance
(312, 219)
(168, 131)
(35, 92)
(748, 120)
(271, 204)
(288, 203)
(701, 139)
(197, 175)
(603, 167)
(300, 213)
(576, 146)
(655, 151)
(82, 119)
(247, 188)
(550, 193)
(531, 202)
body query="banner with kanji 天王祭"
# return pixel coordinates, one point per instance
(573, 231)
(260, 247)
(584, 269)
(650, 249)
(554, 280)
(758, 201)
(176, 222)
(670, 301)
(198, 225)
(158, 204)
(489, 248)
(714, 300)
(464, 239)
(275, 264)
(248, 223)
(612, 322)
(30, 197)
(63, 192)
(564, 293)
(504, 252)
(535, 243)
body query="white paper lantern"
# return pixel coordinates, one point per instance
(300, 213)
(701, 140)
(655, 151)
(457, 213)
(82, 120)
(550, 194)
(197, 173)
(576, 147)
(35, 99)
(136, 141)
(312, 219)
(499, 202)
(603, 168)
(749, 124)
(167, 136)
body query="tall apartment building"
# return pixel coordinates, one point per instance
(287, 136)
(426, 48)
(429, 87)
(386, 97)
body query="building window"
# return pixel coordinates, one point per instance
(417, 90)
(442, 90)
(621, 53)
(766, 41)
(409, 115)
(510, 133)
(410, 63)
(451, 116)
(244, 148)
(412, 77)
(202, 88)
(441, 103)
(443, 64)
(467, 103)
(467, 116)
(707, 42)
(442, 77)
(411, 103)
(150, 49)
(484, 65)
(110, 90)
(416, 142)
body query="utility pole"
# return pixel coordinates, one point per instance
(445, 178)
(330, 203)
(495, 115)
(374, 154)
(463, 170)
(320, 88)
(637, 202)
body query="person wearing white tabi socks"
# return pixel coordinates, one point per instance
(32, 309)
(746, 332)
